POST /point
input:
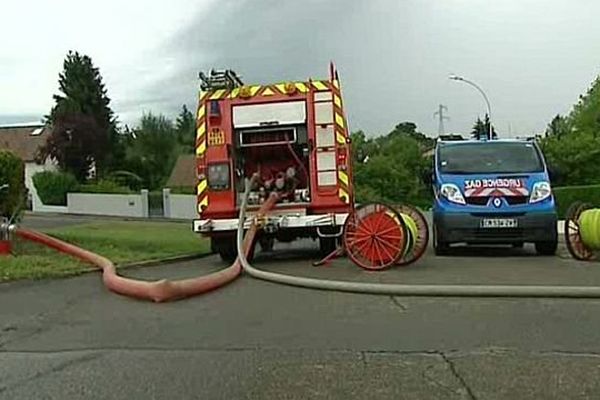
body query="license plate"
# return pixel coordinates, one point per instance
(498, 223)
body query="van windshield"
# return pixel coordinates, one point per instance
(489, 158)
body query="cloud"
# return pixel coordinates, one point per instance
(395, 56)
(533, 58)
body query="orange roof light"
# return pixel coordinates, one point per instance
(290, 88)
(245, 92)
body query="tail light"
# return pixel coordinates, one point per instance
(214, 110)
(342, 157)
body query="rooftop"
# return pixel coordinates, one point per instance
(24, 139)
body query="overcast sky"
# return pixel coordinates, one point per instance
(532, 57)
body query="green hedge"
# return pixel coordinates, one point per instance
(567, 195)
(52, 187)
(12, 198)
(183, 190)
(104, 186)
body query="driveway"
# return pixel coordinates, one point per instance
(72, 339)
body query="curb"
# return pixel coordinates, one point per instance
(168, 260)
(93, 217)
(152, 262)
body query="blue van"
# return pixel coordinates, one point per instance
(492, 192)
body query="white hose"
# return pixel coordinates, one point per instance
(409, 290)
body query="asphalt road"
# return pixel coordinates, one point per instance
(71, 339)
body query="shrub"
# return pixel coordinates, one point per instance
(183, 190)
(52, 186)
(12, 198)
(565, 196)
(104, 186)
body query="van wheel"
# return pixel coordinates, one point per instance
(440, 248)
(546, 248)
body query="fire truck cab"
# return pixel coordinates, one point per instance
(294, 135)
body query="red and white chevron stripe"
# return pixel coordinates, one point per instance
(496, 192)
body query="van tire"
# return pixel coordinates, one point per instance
(546, 248)
(440, 248)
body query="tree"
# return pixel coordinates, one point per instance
(572, 143)
(575, 156)
(12, 185)
(410, 129)
(76, 142)
(481, 129)
(152, 150)
(390, 168)
(362, 148)
(585, 115)
(559, 126)
(82, 109)
(185, 127)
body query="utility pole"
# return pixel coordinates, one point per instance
(441, 117)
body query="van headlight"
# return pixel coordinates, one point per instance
(452, 193)
(541, 191)
(218, 176)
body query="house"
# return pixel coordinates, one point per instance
(183, 175)
(25, 140)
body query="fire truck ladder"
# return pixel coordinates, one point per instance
(220, 79)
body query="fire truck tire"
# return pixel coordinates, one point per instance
(327, 245)
(227, 249)
(266, 243)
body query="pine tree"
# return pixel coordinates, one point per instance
(558, 127)
(84, 127)
(481, 129)
(185, 127)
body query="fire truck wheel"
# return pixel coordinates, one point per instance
(327, 245)
(227, 248)
(266, 243)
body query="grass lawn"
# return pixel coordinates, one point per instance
(123, 242)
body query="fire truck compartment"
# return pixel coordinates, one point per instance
(280, 221)
(280, 156)
(280, 113)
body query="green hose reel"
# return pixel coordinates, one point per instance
(589, 228)
(412, 233)
(582, 231)
(417, 234)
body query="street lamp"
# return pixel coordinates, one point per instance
(487, 102)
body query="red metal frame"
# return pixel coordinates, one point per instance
(422, 241)
(222, 204)
(572, 237)
(374, 236)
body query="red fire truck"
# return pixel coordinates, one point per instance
(294, 135)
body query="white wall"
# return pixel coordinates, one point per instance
(179, 206)
(32, 168)
(122, 205)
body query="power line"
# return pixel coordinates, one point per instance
(441, 117)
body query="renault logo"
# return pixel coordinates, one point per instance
(497, 202)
